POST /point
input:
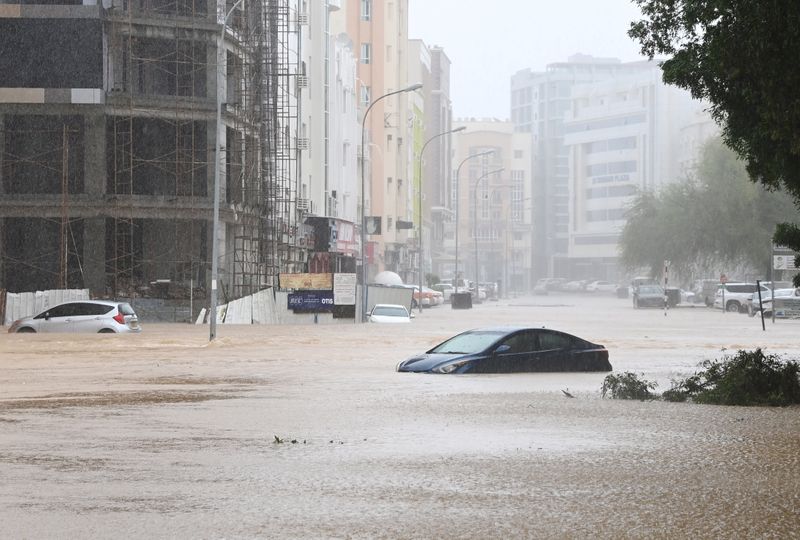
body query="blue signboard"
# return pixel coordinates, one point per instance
(311, 301)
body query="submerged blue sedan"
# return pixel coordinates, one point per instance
(510, 350)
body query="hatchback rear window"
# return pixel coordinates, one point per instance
(126, 309)
(742, 288)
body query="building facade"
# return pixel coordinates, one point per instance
(539, 103)
(492, 206)
(623, 135)
(108, 146)
(379, 32)
(433, 174)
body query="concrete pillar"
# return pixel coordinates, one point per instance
(2, 220)
(95, 163)
(2, 154)
(94, 255)
(94, 186)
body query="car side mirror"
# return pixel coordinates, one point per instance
(502, 349)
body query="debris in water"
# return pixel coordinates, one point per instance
(567, 393)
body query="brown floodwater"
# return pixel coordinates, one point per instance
(308, 432)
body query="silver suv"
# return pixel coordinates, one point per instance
(736, 295)
(98, 316)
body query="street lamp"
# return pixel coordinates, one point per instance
(458, 187)
(363, 235)
(419, 169)
(475, 224)
(212, 332)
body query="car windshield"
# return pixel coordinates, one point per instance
(468, 342)
(390, 311)
(650, 290)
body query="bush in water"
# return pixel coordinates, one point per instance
(748, 378)
(628, 385)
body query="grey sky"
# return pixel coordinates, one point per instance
(488, 42)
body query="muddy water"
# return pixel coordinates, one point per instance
(307, 432)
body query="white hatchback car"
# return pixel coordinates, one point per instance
(390, 313)
(92, 316)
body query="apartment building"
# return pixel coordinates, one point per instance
(379, 32)
(329, 133)
(108, 146)
(490, 234)
(433, 174)
(623, 135)
(539, 102)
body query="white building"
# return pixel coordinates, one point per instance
(623, 136)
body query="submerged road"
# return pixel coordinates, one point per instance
(307, 432)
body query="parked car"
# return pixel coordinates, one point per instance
(446, 289)
(479, 294)
(509, 350)
(437, 297)
(601, 287)
(93, 316)
(575, 286)
(389, 313)
(736, 295)
(787, 300)
(545, 285)
(492, 290)
(540, 288)
(704, 291)
(648, 296)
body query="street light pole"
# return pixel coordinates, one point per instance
(475, 225)
(458, 195)
(212, 327)
(363, 235)
(421, 220)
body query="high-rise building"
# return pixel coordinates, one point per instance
(434, 178)
(329, 134)
(108, 140)
(492, 211)
(379, 31)
(539, 102)
(623, 135)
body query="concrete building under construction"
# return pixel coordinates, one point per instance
(108, 134)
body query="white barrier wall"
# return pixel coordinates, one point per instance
(25, 304)
(272, 307)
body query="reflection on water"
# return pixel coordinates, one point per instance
(160, 434)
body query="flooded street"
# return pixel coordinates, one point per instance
(308, 432)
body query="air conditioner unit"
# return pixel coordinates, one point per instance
(302, 19)
(302, 143)
(302, 81)
(303, 205)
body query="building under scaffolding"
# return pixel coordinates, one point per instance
(108, 137)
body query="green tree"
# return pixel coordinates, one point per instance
(741, 56)
(717, 218)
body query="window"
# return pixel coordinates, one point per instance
(366, 53)
(366, 10)
(552, 340)
(365, 95)
(389, 223)
(520, 343)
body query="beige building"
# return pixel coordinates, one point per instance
(495, 229)
(379, 31)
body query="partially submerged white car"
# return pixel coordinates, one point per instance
(389, 313)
